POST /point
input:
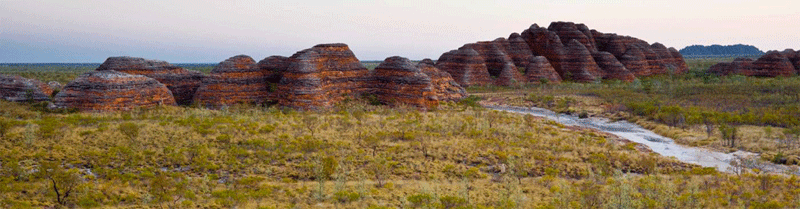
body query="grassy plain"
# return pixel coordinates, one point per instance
(693, 108)
(353, 156)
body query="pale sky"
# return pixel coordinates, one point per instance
(211, 31)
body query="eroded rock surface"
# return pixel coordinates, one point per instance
(182, 82)
(19, 89)
(322, 76)
(466, 66)
(612, 68)
(110, 90)
(539, 70)
(444, 87)
(772, 64)
(579, 64)
(399, 81)
(236, 80)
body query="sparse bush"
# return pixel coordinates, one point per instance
(130, 130)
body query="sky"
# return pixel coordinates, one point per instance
(205, 31)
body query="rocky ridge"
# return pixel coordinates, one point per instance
(574, 50)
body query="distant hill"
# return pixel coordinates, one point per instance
(719, 50)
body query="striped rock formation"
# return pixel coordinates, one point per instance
(519, 50)
(236, 80)
(398, 81)
(772, 64)
(539, 70)
(568, 31)
(678, 61)
(612, 68)
(444, 87)
(273, 67)
(579, 65)
(321, 77)
(500, 66)
(466, 66)
(110, 90)
(739, 66)
(635, 61)
(183, 83)
(19, 89)
(794, 57)
(546, 43)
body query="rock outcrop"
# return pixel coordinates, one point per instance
(519, 50)
(236, 80)
(19, 89)
(273, 67)
(794, 58)
(739, 66)
(612, 68)
(322, 76)
(546, 43)
(539, 70)
(110, 90)
(466, 66)
(444, 87)
(635, 61)
(579, 64)
(399, 81)
(772, 64)
(183, 83)
(568, 31)
(555, 43)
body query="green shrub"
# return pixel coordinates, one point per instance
(129, 129)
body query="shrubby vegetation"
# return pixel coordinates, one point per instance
(66, 72)
(699, 109)
(354, 156)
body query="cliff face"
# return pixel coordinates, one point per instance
(183, 83)
(573, 50)
(110, 90)
(19, 89)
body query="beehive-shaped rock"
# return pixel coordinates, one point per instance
(274, 67)
(794, 58)
(612, 68)
(466, 66)
(568, 31)
(772, 64)
(236, 80)
(579, 64)
(321, 77)
(19, 89)
(182, 82)
(399, 81)
(677, 60)
(110, 90)
(444, 87)
(500, 66)
(739, 66)
(546, 43)
(519, 50)
(635, 61)
(539, 70)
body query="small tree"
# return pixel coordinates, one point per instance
(63, 181)
(729, 133)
